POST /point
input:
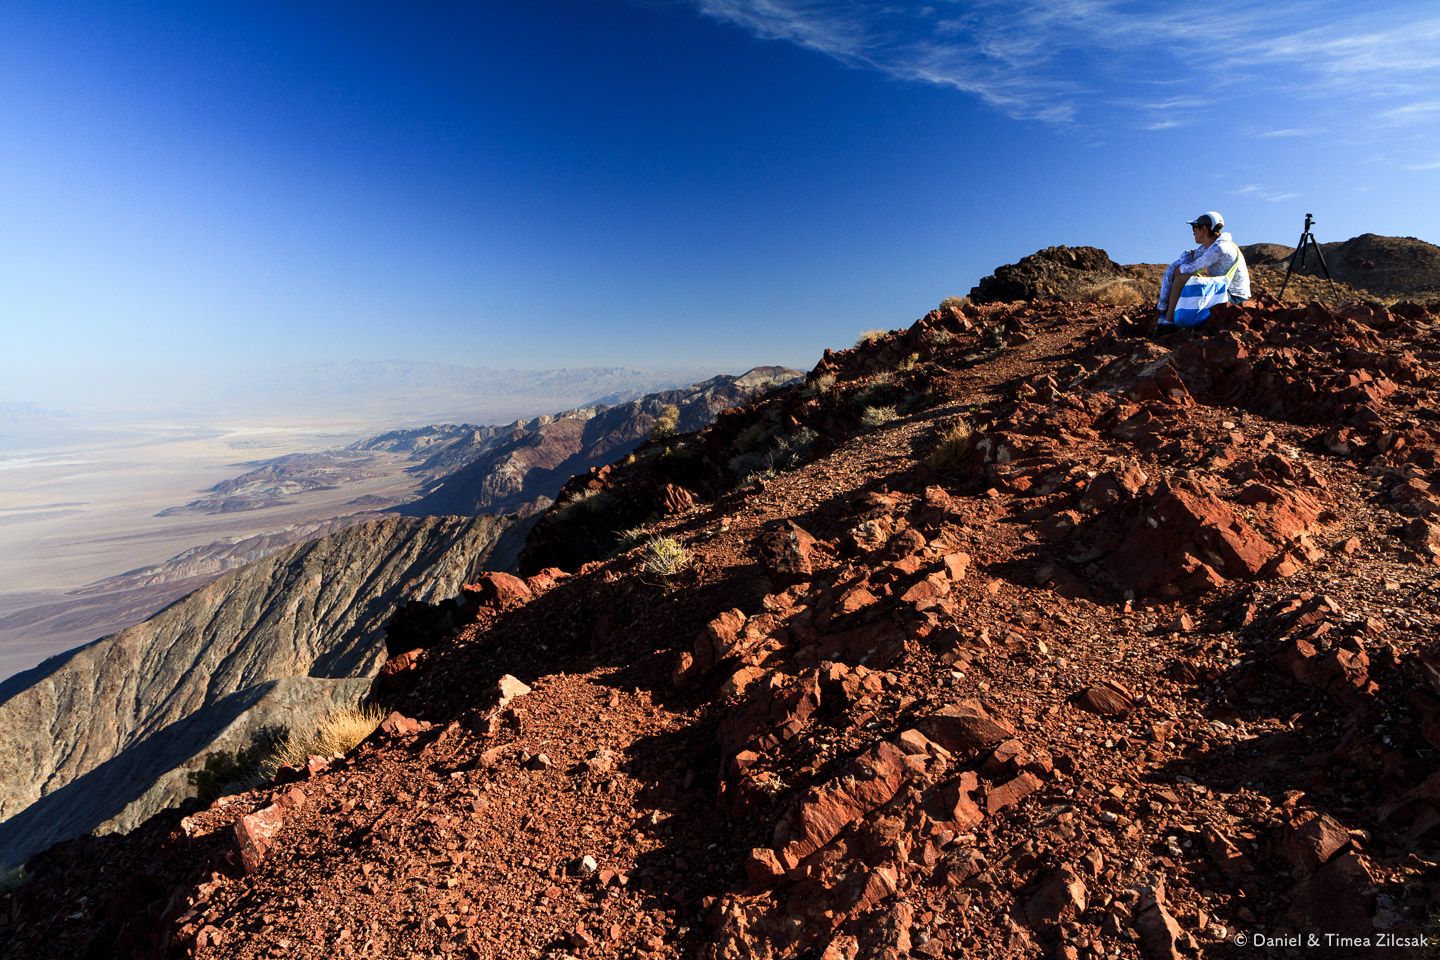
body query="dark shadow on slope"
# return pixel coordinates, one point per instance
(89, 800)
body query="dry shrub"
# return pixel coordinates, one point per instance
(664, 556)
(820, 386)
(878, 416)
(954, 445)
(338, 732)
(870, 336)
(956, 302)
(666, 423)
(1120, 293)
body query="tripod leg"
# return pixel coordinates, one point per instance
(1325, 267)
(1299, 252)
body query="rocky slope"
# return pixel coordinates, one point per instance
(1090, 647)
(102, 737)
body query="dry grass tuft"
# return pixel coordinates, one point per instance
(955, 443)
(870, 336)
(664, 556)
(338, 732)
(878, 416)
(1120, 293)
(820, 386)
(956, 302)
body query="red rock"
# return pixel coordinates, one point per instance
(1338, 899)
(1158, 930)
(1010, 793)
(916, 743)
(818, 817)
(956, 564)
(878, 645)
(1061, 897)
(1185, 539)
(292, 799)
(499, 590)
(957, 802)
(1313, 843)
(904, 567)
(255, 834)
(675, 499)
(719, 639)
(855, 599)
(1223, 852)
(763, 868)
(510, 688)
(1105, 699)
(790, 552)
(1058, 526)
(932, 587)
(965, 727)
(684, 670)
(399, 725)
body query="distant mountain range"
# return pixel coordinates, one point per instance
(19, 417)
(401, 387)
(464, 469)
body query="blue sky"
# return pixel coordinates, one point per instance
(189, 192)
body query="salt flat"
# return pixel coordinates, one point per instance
(79, 509)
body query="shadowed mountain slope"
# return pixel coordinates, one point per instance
(104, 736)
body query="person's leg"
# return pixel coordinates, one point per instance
(1177, 283)
(1164, 299)
(1165, 281)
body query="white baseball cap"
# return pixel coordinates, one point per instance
(1210, 219)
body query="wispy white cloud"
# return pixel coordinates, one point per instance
(1256, 192)
(1423, 111)
(1424, 165)
(1069, 61)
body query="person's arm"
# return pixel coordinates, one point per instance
(1210, 261)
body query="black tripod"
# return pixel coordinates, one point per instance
(1307, 237)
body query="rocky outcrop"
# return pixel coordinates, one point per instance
(104, 736)
(1055, 273)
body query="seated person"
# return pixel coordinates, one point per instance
(1215, 257)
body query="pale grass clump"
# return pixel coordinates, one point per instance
(869, 336)
(664, 556)
(955, 444)
(1120, 293)
(631, 536)
(820, 386)
(338, 732)
(908, 364)
(667, 422)
(956, 302)
(878, 416)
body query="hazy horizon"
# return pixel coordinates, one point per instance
(193, 193)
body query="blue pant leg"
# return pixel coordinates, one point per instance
(1165, 285)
